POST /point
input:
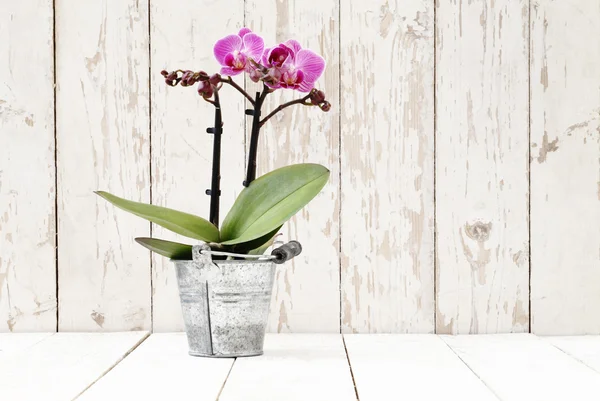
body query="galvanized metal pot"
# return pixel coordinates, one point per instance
(225, 303)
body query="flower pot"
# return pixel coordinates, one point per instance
(225, 304)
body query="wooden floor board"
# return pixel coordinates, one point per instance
(523, 367)
(161, 369)
(411, 367)
(12, 342)
(132, 366)
(294, 367)
(63, 365)
(585, 349)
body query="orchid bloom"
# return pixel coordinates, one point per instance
(234, 52)
(276, 56)
(294, 67)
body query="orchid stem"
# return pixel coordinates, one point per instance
(283, 106)
(239, 89)
(215, 190)
(252, 152)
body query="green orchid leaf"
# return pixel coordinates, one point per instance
(261, 249)
(271, 200)
(173, 250)
(179, 222)
(257, 246)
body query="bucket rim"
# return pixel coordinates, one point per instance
(226, 262)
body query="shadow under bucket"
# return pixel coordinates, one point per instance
(225, 304)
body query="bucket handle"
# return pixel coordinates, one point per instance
(279, 255)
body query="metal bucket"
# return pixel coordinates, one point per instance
(225, 304)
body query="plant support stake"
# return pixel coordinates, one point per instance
(215, 191)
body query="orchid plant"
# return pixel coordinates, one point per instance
(266, 203)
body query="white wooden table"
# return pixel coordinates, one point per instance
(307, 367)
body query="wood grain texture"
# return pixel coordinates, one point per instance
(404, 367)
(482, 166)
(294, 367)
(521, 367)
(27, 170)
(387, 55)
(63, 365)
(182, 38)
(565, 167)
(103, 144)
(304, 135)
(161, 369)
(368, 260)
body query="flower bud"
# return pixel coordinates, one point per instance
(202, 76)
(325, 106)
(205, 89)
(187, 79)
(171, 79)
(214, 79)
(255, 75)
(317, 97)
(164, 73)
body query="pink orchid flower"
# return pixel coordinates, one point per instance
(276, 56)
(234, 52)
(294, 67)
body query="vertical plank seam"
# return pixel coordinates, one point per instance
(150, 156)
(529, 159)
(55, 162)
(339, 200)
(350, 367)
(226, 377)
(112, 366)
(435, 258)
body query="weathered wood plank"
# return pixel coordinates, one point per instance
(183, 38)
(565, 167)
(304, 135)
(13, 342)
(522, 367)
(103, 144)
(62, 366)
(294, 367)
(161, 369)
(585, 349)
(27, 168)
(387, 60)
(482, 166)
(410, 367)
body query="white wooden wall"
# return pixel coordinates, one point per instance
(464, 146)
